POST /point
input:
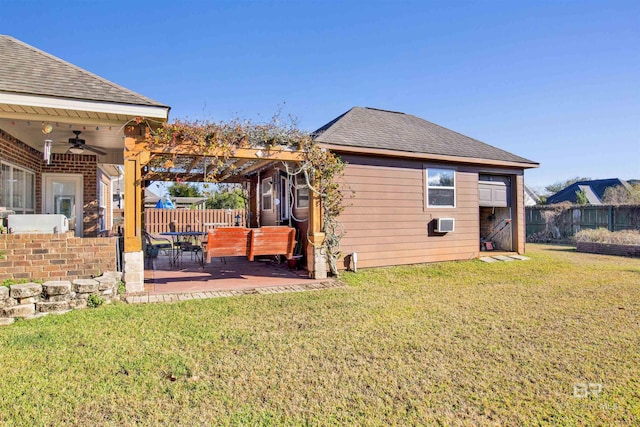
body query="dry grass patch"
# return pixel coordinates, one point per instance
(460, 343)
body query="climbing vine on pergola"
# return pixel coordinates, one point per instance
(219, 151)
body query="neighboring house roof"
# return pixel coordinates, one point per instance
(368, 129)
(531, 198)
(594, 190)
(34, 72)
(151, 198)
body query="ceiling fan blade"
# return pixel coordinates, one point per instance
(95, 150)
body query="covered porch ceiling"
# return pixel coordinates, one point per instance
(105, 136)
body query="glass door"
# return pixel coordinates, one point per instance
(63, 195)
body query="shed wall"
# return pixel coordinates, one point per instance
(387, 222)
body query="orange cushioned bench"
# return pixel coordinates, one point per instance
(250, 242)
(272, 241)
(227, 241)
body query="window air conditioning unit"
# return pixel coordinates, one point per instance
(445, 225)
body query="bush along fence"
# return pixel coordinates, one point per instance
(559, 223)
(33, 300)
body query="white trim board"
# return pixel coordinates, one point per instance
(80, 105)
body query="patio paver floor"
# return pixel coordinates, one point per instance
(237, 276)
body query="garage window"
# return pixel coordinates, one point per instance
(441, 188)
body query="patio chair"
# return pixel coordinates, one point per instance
(194, 249)
(152, 245)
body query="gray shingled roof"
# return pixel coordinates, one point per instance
(26, 70)
(594, 190)
(381, 129)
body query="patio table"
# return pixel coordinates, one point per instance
(182, 239)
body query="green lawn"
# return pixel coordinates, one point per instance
(459, 343)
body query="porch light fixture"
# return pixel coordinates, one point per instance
(76, 150)
(47, 128)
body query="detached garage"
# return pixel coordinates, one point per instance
(423, 193)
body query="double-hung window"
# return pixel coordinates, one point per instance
(302, 192)
(17, 189)
(267, 194)
(441, 187)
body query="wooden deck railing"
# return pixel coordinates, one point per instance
(158, 220)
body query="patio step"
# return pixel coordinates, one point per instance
(503, 258)
(149, 297)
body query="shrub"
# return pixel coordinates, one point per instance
(95, 301)
(602, 235)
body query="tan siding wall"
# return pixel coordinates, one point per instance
(387, 222)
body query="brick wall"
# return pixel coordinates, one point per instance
(55, 256)
(609, 249)
(15, 151)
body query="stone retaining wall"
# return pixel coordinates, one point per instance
(31, 300)
(608, 249)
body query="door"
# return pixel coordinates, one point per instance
(283, 196)
(63, 195)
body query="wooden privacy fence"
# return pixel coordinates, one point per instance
(158, 220)
(564, 221)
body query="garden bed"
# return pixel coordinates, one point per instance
(608, 249)
(605, 242)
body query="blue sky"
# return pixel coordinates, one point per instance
(557, 82)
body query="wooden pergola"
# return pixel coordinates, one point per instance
(187, 162)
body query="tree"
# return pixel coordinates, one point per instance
(581, 197)
(228, 198)
(184, 190)
(622, 195)
(561, 185)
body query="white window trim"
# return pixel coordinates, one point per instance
(426, 186)
(33, 189)
(285, 203)
(263, 194)
(104, 193)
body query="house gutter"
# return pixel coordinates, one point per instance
(425, 156)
